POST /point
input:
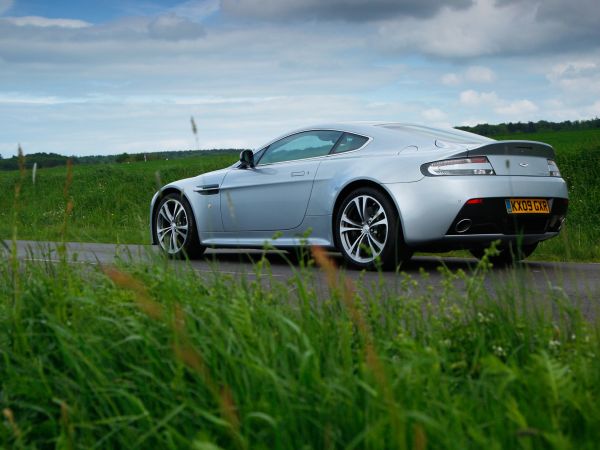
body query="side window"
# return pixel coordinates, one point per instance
(349, 142)
(307, 144)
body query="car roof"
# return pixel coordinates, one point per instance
(393, 133)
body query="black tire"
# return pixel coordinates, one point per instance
(509, 254)
(175, 228)
(364, 240)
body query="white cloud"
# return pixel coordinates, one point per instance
(594, 110)
(27, 99)
(483, 29)
(44, 22)
(480, 74)
(474, 98)
(172, 27)
(489, 101)
(573, 69)
(471, 122)
(559, 110)
(474, 74)
(197, 9)
(434, 115)
(451, 79)
(518, 108)
(580, 77)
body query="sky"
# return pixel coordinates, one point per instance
(83, 77)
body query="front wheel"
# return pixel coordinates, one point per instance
(175, 228)
(367, 230)
(508, 254)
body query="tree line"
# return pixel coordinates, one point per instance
(47, 160)
(486, 129)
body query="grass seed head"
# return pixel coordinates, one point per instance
(419, 438)
(10, 418)
(125, 281)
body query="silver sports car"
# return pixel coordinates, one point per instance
(376, 192)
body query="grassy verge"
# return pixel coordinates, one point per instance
(110, 202)
(155, 356)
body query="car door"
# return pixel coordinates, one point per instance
(274, 194)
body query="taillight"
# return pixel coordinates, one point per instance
(477, 165)
(475, 201)
(553, 169)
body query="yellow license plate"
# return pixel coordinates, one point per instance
(527, 206)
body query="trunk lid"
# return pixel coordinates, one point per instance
(517, 158)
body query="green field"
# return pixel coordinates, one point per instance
(110, 201)
(158, 357)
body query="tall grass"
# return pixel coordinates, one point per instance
(110, 202)
(156, 356)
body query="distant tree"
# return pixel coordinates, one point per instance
(123, 157)
(532, 127)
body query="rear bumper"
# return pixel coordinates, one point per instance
(491, 217)
(448, 243)
(429, 207)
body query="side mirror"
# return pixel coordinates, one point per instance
(247, 159)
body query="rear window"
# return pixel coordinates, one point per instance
(349, 142)
(446, 135)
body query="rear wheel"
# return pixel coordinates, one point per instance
(367, 230)
(175, 228)
(509, 254)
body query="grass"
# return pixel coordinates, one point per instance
(110, 201)
(156, 356)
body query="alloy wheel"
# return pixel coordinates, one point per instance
(172, 226)
(363, 229)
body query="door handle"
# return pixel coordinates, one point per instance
(298, 174)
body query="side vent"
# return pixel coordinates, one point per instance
(209, 189)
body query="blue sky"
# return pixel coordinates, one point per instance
(90, 77)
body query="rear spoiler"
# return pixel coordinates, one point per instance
(516, 148)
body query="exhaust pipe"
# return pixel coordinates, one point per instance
(463, 225)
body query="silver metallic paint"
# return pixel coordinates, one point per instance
(269, 204)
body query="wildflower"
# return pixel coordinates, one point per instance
(482, 318)
(498, 351)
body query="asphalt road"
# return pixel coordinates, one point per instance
(580, 282)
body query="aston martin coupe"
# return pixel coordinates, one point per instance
(375, 192)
